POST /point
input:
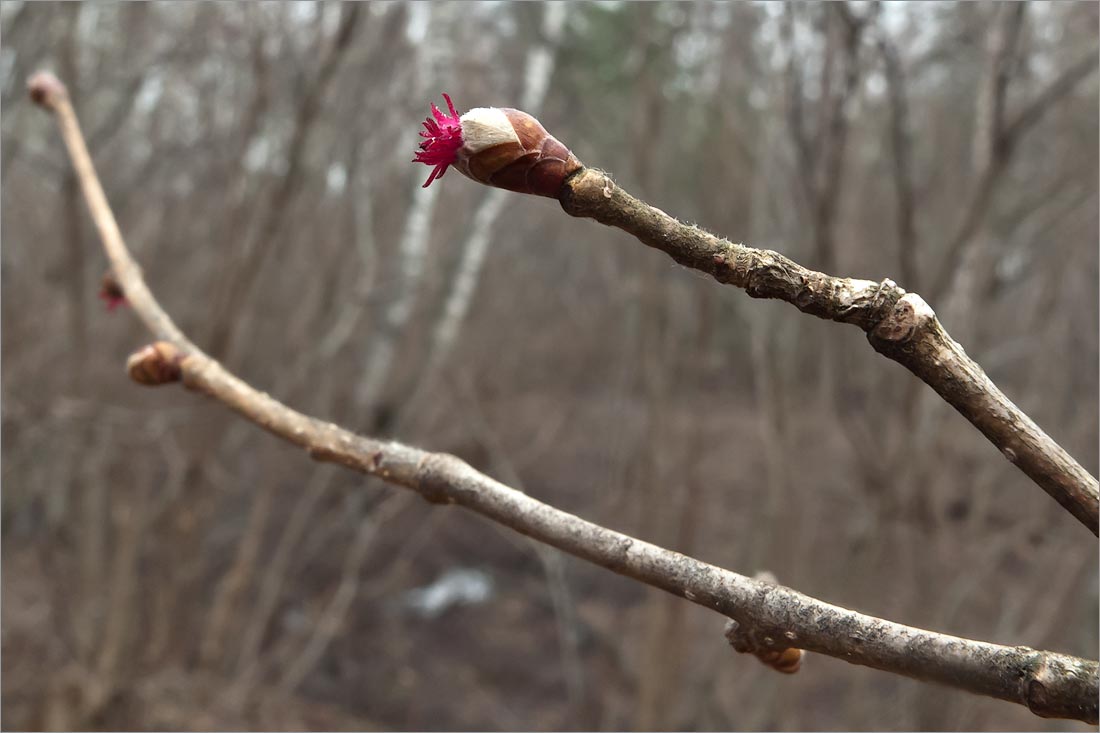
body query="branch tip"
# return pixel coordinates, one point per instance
(46, 89)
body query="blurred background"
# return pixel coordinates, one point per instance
(168, 566)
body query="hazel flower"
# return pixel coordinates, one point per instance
(111, 293)
(496, 146)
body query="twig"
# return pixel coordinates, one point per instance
(769, 616)
(899, 325)
(332, 617)
(1003, 141)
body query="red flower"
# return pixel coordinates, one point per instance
(110, 292)
(442, 141)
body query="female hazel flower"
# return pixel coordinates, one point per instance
(499, 147)
(110, 292)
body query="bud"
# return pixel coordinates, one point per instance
(787, 661)
(155, 364)
(110, 291)
(496, 146)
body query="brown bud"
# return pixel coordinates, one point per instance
(155, 364)
(787, 661)
(510, 149)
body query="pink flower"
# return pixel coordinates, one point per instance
(442, 141)
(110, 292)
(499, 147)
(112, 301)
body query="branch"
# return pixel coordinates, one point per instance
(899, 325)
(1062, 85)
(769, 616)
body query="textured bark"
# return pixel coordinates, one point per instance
(899, 325)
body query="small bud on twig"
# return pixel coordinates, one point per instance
(110, 291)
(155, 364)
(497, 146)
(45, 89)
(787, 661)
(770, 651)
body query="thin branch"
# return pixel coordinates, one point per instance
(769, 616)
(332, 617)
(899, 325)
(1005, 138)
(260, 252)
(1062, 85)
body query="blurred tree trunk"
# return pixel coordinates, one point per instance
(413, 249)
(538, 69)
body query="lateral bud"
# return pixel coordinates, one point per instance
(111, 292)
(155, 364)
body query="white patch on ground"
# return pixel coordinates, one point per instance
(456, 587)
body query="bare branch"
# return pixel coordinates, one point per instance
(768, 615)
(899, 325)
(995, 147)
(259, 252)
(1062, 85)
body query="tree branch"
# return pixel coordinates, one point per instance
(899, 325)
(997, 151)
(769, 616)
(1062, 85)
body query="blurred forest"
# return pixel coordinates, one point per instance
(167, 565)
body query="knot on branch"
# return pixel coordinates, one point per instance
(909, 315)
(776, 650)
(156, 364)
(46, 90)
(1059, 687)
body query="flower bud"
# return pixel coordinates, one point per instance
(499, 147)
(110, 291)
